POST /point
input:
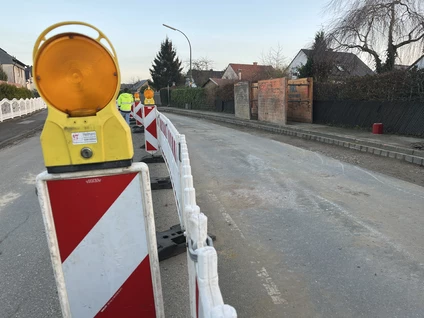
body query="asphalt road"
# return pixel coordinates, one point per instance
(298, 234)
(303, 235)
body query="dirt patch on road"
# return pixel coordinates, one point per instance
(392, 167)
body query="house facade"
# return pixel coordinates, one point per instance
(14, 68)
(344, 64)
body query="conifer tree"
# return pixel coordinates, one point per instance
(166, 68)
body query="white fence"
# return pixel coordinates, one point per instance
(19, 107)
(206, 300)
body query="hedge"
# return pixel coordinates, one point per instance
(399, 85)
(194, 97)
(10, 92)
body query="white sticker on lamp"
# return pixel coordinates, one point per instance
(83, 138)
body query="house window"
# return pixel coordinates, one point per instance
(340, 68)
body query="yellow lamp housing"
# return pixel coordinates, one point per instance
(79, 79)
(148, 96)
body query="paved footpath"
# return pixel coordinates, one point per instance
(18, 128)
(405, 148)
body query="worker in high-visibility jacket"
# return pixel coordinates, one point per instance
(125, 100)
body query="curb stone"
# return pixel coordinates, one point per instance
(384, 150)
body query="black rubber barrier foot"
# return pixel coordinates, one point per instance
(160, 183)
(172, 242)
(137, 129)
(152, 159)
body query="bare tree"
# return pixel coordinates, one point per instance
(385, 30)
(200, 64)
(275, 58)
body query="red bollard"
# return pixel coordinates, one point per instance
(377, 128)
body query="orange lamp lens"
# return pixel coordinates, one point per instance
(75, 74)
(148, 93)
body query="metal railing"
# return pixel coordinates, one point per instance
(18, 107)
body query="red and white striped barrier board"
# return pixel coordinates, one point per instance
(137, 113)
(150, 129)
(102, 241)
(132, 110)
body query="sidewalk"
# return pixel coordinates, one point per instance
(409, 149)
(19, 128)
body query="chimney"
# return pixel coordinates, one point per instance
(239, 74)
(255, 63)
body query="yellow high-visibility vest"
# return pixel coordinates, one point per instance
(125, 101)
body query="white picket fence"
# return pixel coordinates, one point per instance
(19, 107)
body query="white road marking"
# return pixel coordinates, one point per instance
(322, 160)
(26, 122)
(29, 179)
(8, 198)
(224, 213)
(271, 288)
(386, 183)
(343, 168)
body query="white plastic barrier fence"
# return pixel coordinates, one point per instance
(169, 145)
(205, 295)
(18, 107)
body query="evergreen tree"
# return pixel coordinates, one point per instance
(3, 75)
(166, 67)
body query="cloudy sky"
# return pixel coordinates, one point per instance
(224, 32)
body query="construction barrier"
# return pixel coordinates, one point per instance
(137, 113)
(102, 241)
(150, 131)
(205, 295)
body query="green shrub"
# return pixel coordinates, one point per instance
(397, 85)
(10, 92)
(194, 97)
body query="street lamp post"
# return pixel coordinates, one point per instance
(189, 44)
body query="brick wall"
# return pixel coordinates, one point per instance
(272, 101)
(242, 100)
(300, 99)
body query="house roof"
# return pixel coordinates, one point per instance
(220, 81)
(252, 72)
(200, 77)
(6, 58)
(416, 62)
(135, 86)
(345, 63)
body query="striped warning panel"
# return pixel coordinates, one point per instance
(101, 236)
(150, 131)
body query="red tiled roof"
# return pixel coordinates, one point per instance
(253, 72)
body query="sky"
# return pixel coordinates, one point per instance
(221, 31)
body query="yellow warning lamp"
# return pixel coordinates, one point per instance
(79, 79)
(148, 96)
(137, 96)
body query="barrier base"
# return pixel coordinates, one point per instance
(138, 129)
(152, 159)
(160, 183)
(171, 242)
